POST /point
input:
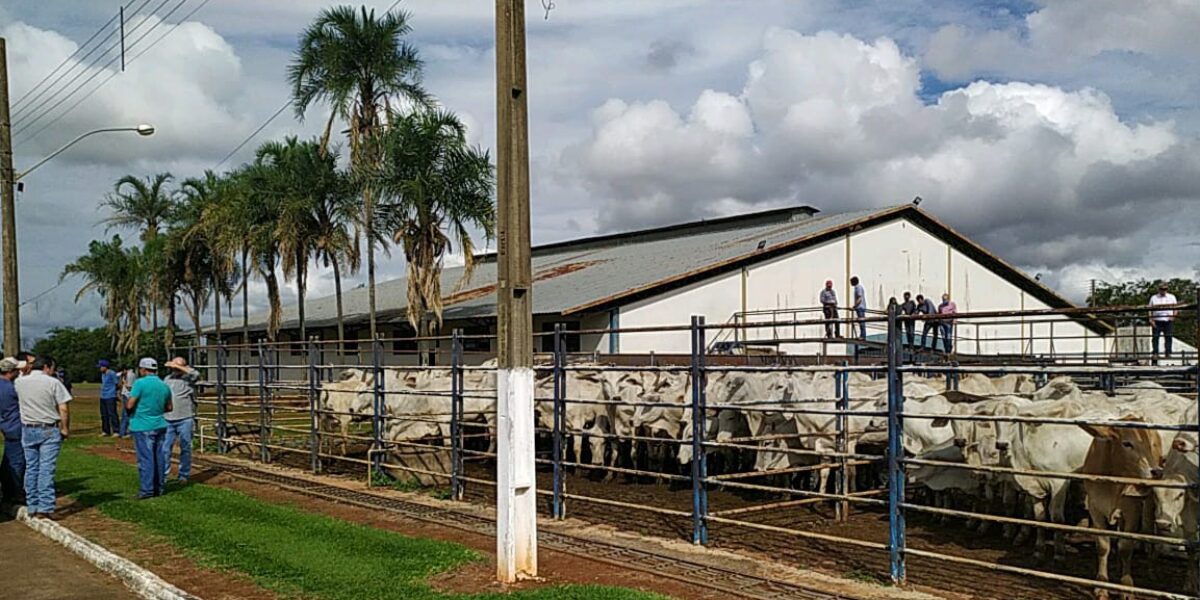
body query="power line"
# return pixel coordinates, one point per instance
(18, 111)
(113, 74)
(16, 105)
(41, 295)
(253, 134)
(30, 123)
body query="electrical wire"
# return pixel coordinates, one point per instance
(22, 107)
(26, 125)
(113, 74)
(253, 134)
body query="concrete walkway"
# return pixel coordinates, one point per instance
(35, 568)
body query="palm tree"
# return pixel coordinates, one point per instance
(118, 275)
(434, 188)
(298, 178)
(337, 235)
(358, 64)
(203, 196)
(143, 205)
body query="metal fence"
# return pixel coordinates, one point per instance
(818, 464)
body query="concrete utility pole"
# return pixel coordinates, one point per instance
(8, 214)
(516, 508)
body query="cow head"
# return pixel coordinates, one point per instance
(1170, 503)
(1128, 452)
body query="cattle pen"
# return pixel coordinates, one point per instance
(989, 472)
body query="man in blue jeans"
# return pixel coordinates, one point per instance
(12, 466)
(181, 419)
(149, 399)
(860, 306)
(45, 423)
(109, 383)
(128, 378)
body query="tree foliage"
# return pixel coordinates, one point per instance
(1138, 293)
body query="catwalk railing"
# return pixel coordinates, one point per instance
(850, 458)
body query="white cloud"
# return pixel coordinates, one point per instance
(835, 121)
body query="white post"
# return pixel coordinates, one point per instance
(516, 493)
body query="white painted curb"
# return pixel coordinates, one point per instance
(143, 582)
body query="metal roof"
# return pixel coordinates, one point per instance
(594, 273)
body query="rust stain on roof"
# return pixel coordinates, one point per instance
(544, 274)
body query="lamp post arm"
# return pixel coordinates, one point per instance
(39, 163)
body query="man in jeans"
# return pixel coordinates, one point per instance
(909, 308)
(181, 419)
(109, 383)
(947, 307)
(128, 378)
(12, 466)
(149, 399)
(1163, 321)
(829, 309)
(45, 423)
(860, 306)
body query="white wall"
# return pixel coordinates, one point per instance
(889, 259)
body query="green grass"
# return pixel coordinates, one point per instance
(292, 552)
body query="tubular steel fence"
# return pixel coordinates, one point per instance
(877, 467)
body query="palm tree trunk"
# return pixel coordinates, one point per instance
(273, 298)
(245, 297)
(169, 334)
(369, 221)
(301, 288)
(196, 308)
(337, 291)
(217, 311)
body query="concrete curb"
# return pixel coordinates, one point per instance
(140, 580)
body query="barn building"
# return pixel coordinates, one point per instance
(764, 267)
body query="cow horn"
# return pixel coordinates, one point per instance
(1002, 446)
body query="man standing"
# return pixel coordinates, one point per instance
(149, 399)
(45, 423)
(860, 306)
(128, 378)
(909, 308)
(181, 419)
(1163, 321)
(829, 308)
(12, 466)
(925, 307)
(109, 384)
(25, 363)
(947, 308)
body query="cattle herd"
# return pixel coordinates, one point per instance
(1008, 430)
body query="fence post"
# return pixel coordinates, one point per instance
(456, 414)
(895, 453)
(262, 403)
(222, 400)
(843, 479)
(1194, 548)
(699, 460)
(377, 403)
(314, 421)
(557, 507)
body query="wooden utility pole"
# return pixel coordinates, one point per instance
(8, 214)
(516, 508)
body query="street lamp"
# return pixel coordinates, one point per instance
(12, 300)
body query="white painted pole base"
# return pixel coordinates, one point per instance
(516, 490)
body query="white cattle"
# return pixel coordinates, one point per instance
(1176, 508)
(584, 415)
(344, 402)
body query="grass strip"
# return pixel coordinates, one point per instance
(289, 551)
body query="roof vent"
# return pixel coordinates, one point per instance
(762, 244)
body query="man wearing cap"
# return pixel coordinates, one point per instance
(12, 466)
(109, 383)
(829, 308)
(1162, 321)
(149, 399)
(45, 423)
(181, 419)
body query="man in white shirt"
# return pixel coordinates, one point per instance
(45, 423)
(1163, 321)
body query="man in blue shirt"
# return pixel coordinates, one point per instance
(12, 466)
(109, 383)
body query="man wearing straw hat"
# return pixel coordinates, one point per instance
(149, 399)
(181, 419)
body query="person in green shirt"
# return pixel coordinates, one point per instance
(149, 399)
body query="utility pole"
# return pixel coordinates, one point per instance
(8, 214)
(516, 508)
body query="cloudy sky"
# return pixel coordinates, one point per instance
(1062, 134)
